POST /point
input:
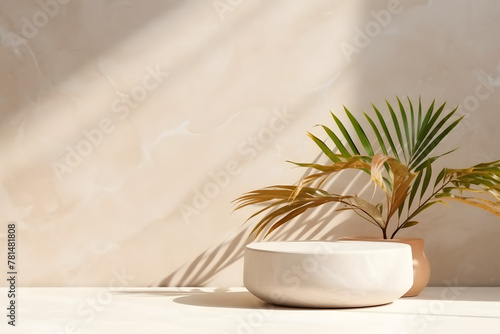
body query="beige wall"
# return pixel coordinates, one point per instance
(117, 115)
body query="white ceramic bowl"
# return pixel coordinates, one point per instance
(328, 274)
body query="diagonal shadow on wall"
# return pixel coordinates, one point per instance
(314, 224)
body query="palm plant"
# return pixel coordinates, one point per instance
(405, 175)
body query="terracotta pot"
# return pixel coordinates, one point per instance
(421, 266)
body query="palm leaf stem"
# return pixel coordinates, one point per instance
(421, 205)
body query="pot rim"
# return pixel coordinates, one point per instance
(368, 237)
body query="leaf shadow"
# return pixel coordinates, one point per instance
(311, 225)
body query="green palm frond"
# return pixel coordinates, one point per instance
(417, 139)
(482, 181)
(398, 155)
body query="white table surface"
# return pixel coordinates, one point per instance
(235, 310)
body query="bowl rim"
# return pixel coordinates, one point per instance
(373, 246)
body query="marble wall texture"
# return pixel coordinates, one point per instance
(128, 127)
